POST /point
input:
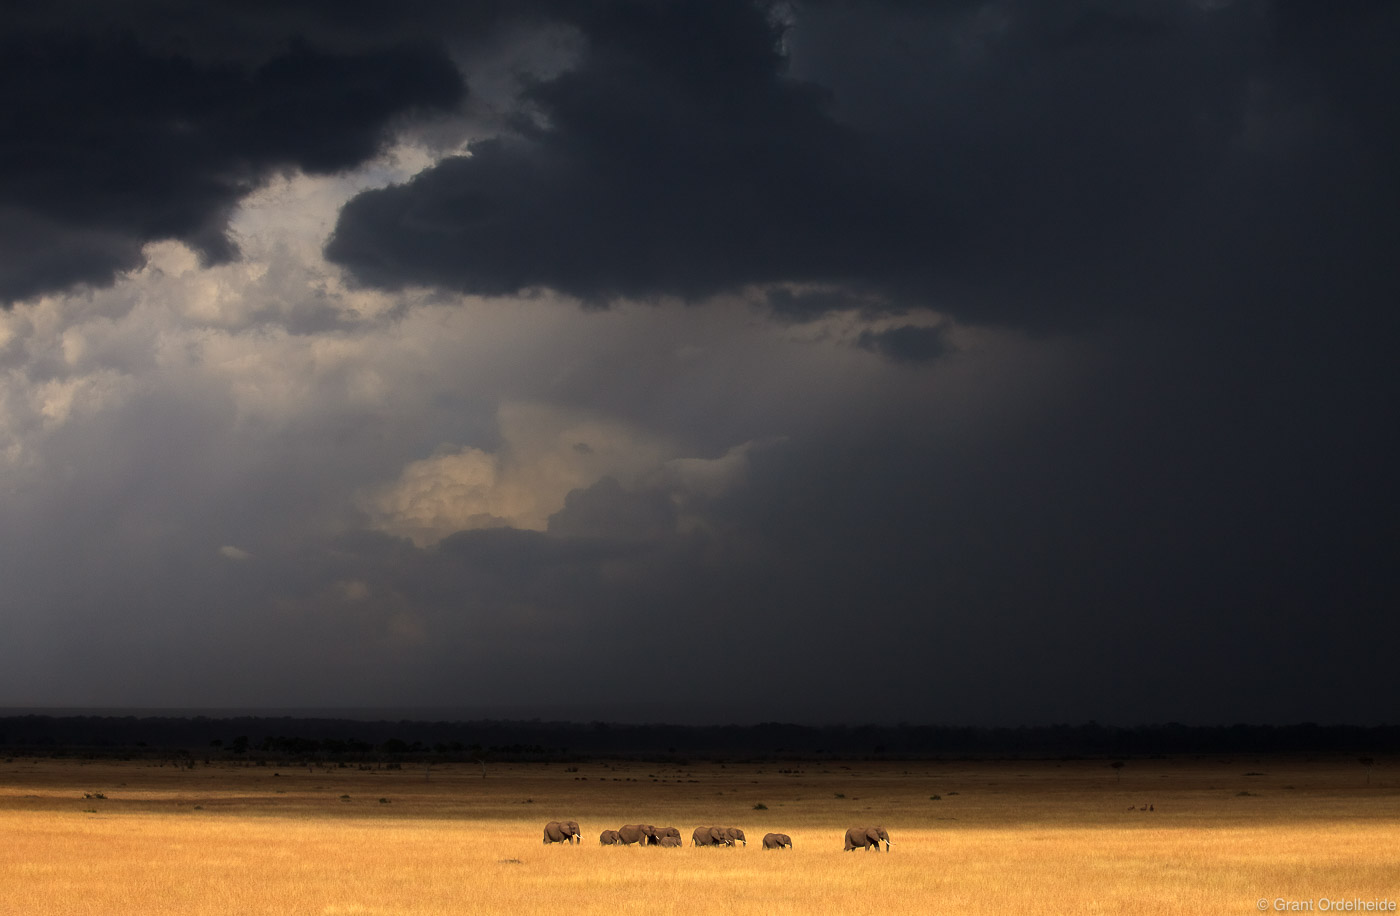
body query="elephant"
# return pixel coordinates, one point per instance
(609, 838)
(561, 832)
(633, 833)
(710, 836)
(865, 837)
(670, 841)
(734, 833)
(777, 841)
(662, 833)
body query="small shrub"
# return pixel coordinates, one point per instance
(344, 798)
(840, 795)
(760, 807)
(384, 801)
(1238, 794)
(935, 798)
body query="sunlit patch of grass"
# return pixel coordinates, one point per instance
(1004, 837)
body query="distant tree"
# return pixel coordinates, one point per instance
(1118, 766)
(1367, 762)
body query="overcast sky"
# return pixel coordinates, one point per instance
(973, 362)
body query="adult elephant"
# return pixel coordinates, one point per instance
(663, 833)
(735, 835)
(865, 837)
(636, 833)
(561, 832)
(609, 838)
(670, 841)
(777, 841)
(709, 836)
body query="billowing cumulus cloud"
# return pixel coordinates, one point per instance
(552, 467)
(544, 455)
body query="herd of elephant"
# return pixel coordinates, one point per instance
(647, 835)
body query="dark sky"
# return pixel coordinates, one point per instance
(970, 362)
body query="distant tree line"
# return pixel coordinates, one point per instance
(344, 739)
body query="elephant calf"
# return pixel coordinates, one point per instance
(865, 837)
(609, 838)
(670, 841)
(561, 832)
(777, 841)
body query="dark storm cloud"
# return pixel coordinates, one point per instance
(115, 136)
(1174, 499)
(907, 343)
(607, 510)
(1025, 163)
(675, 159)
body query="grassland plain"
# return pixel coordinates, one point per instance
(1001, 837)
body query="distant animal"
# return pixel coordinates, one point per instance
(670, 841)
(710, 836)
(636, 833)
(735, 835)
(865, 837)
(664, 832)
(561, 832)
(777, 841)
(1151, 808)
(609, 838)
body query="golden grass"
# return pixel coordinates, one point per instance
(1005, 837)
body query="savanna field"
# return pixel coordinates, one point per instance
(1225, 835)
